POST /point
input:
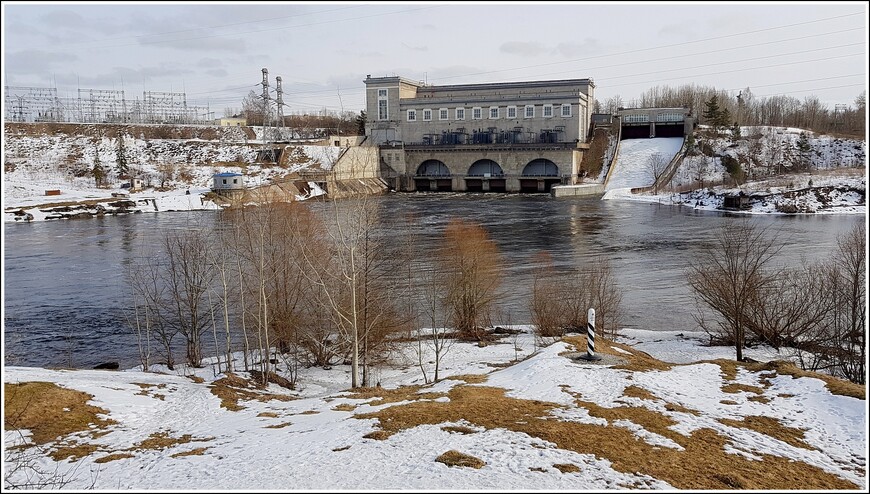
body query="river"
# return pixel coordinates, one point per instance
(64, 280)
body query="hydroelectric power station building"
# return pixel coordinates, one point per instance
(509, 137)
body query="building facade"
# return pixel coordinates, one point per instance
(655, 122)
(511, 137)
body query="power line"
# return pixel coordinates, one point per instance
(655, 47)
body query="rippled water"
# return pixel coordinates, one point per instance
(64, 289)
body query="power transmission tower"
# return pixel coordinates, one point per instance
(267, 153)
(280, 101)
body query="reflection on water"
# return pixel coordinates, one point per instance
(64, 289)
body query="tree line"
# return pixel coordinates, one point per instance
(745, 108)
(285, 286)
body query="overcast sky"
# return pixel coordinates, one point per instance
(323, 51)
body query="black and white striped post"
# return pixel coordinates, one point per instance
(590, 336)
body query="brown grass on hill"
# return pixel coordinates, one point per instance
(162, 440)
(193, 452)
(835, 386)
(737, 388)
(638, 392)
(279, 426)
(344, 407)
(703, 464)
(566, 467)
(403, 393)
(454, 458)
(72, 450)
(773, 428)
(50, 411)
(268, 414)
(233, 388)
(470, 378)
(113, 457)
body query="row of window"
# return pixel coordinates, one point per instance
(495, 112)
(661, 117)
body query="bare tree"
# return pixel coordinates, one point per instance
(729, 276)
(470, 266)
(849, 286)
(188, 275)
(548, 303)
(656, 165)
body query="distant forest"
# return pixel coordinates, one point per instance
(747, 109)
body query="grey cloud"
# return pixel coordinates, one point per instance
(236, 45)
(588, 46)
(415, 48)
(217, 72)
(36, 61)
(523, 48)
(428, 27)
(63, 18)
(209, 62)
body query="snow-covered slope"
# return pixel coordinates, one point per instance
(632, 167)
(546, 422)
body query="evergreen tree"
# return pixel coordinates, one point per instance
(804, 148)
(723, 120)
(712, 111)
(361, 123)
(98, 170)
(735, 132)
(121, 157)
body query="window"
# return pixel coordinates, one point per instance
(442, 114)
(427, 115)
(476, 113)
(412, 115)
(566, 110)
(493, 112)
(530, 111)
(225, 181)
(382, 104)
(637, 118)
(235, 180)
(512, 112)
(548, 111)
(460, 114)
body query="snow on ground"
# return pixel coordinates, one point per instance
(806, 193)
(314, 441)
(36, 164)
(632, 164)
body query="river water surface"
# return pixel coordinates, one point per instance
(64, 284)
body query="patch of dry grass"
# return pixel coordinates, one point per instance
(835, 386)
(193, 452)
(703, 464)
(384, 396)
(470, 378)
(454, 458)
(146, 390)
(162, 440)
(233, 388)
(378, 435)
(344, 407)
(279, 426)
(638, 392)
(73, 451)
(566, 467)
(113, 457)
(728, 402)
(268, 414)
(343, 448)
(737, 387)
(773, 428)
(50, 411)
